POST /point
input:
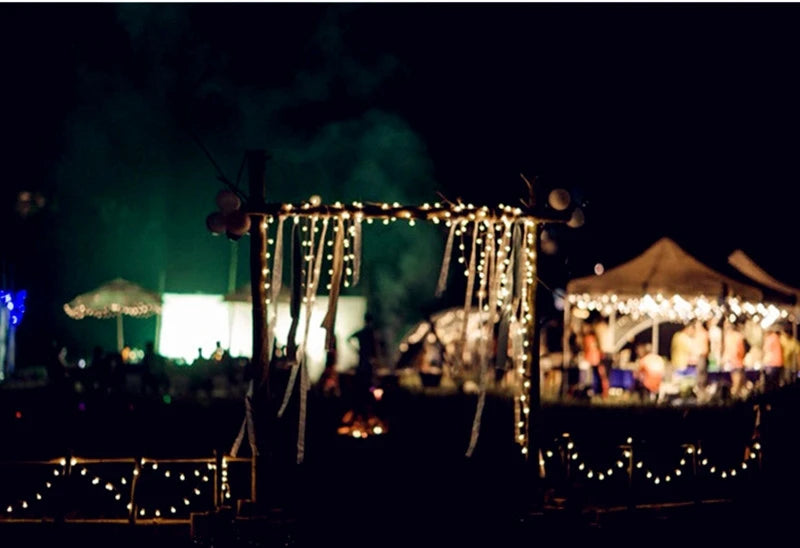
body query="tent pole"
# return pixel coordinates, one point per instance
(120, 338)
(534, 392)
(655, 337)
(162, 285)
(566, 356)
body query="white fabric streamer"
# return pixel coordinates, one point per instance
(357, 250)
(448, 251)
(336, 282)
(468, 296)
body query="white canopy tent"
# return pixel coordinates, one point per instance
(665, 283)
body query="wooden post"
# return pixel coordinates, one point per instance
(566, 351)
(534, 389)
(217, 458)
(257, 167)
(137, 469)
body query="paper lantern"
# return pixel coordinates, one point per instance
(549, 247)
(228, 201)
(559, 199)
(577, 218)
(216, 223)
(237, 222)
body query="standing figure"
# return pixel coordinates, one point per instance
(593, 355)
(367, 357)
(772, 359)
(733, 352)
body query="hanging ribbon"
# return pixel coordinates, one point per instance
(247, 424)
(311, 292)
(312, 278)
(503, 299)
(294, 311)
(275, 287)
(448, 251)
(336, 282)
(297, 284)
(468, 295)
(519, 268)
(487, 328)
(357, 250)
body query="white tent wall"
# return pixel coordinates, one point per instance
(192, 321)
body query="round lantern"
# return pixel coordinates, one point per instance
(559, 199)
(216, 223)
(577, 218)
(237, 222)
(228, 201)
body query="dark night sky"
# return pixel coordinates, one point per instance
(677, 120)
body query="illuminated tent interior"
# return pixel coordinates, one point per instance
(444, 330)
(667, 284)
(197, 321)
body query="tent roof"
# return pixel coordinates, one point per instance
(663, 268)
(744, 264)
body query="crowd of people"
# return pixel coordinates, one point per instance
(704, 357)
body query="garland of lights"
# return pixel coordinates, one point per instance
(695, 463)
(691, 463)
(681, 309)
(62, 471)
(500, 264)
(498, 259)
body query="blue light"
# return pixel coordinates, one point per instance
(15, 303)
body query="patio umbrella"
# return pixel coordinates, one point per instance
(113, 300)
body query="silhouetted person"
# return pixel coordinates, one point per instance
(330, 378)
(367, 356)
(199, 360)
(153, 370)
(57, 365)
